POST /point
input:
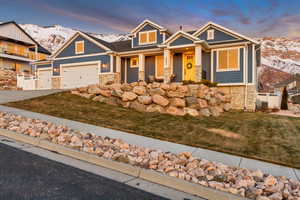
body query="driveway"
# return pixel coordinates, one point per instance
(19, 95)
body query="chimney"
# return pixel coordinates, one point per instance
(180, 27)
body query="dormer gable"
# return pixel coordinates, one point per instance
(214, 33)
(148, 33)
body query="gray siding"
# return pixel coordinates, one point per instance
(250, 64)
(105, 59)
(38, 66)
(181, 41)
(177, 67)
(148, 27)
(220, 36)
(230, 76)
(206, 67)
(89, 48)
(149, 67)
(132, 73)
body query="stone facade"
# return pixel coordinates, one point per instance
(240, 98)
(173, 98)
(107, 78)
(56, 83)
(167, 74)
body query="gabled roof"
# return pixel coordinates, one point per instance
(185, 34)
(101, 43)
(144, 23)
(40, 48)
(209, 24)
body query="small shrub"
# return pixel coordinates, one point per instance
(284, 100)
(204, 82)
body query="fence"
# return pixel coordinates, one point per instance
(26, 82)
(273, 100)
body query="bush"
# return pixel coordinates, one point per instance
(204, 82)
(284, 100)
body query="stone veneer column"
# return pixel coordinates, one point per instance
(118, 69)
(198, 62)
(167, 66)
(141, 67)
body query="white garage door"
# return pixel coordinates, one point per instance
(79, 76)
(44, 79)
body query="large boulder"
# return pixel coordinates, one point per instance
(192, 102)
(146, 100)
(160, 100)
(202, 103)
(175, 111)
(117, 93)
(126, 87)
(93, 89)
(214, 111)
(138, 106)
(165, 86)
(191, 111)
(159, 91)
(106, 93)
(155, 108)
(100, 99)
(205, 112)
(175, 93)
(129, 96)
(178, 102)
(139, 90)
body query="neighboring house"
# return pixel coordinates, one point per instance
(18, 49)
(211, 52)
(292, 84)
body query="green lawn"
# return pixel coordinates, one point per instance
(256, 135)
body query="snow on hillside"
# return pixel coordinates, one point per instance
(52, 37)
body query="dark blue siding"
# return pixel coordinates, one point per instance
(105, 59)
(149, 67)
(181, 41)
(206, 67)
(43, 65)
(230, 76)
(250, 64)
(177, 67)
(220, 36)
(89, 48)
(147, 28)
(132, 73)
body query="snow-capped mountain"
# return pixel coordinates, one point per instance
(280, 56)
(52, 37)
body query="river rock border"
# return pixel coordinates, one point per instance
(174, 98)
(235, 180)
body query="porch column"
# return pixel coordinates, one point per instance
(141, 67)
(198, 63)
(167, 65)
(118, 69)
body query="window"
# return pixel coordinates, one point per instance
(134, 62)
(228, 60)
(159, 67)
(79, 47)
(148, 37)
(210, 34)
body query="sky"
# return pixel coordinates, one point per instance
(255, 18)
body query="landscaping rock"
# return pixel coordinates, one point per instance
(205, 112)
(93, 89)
(129, 96)
(192, 102)
(175, 111)
(214, 111)
(126, 87)
(139, 90)
(155, 108)
(177, 94)
(160, 100)
(138, 106)
(146, 100)
(158, 91)
(202, 103)
(178, 102)
(191, 111)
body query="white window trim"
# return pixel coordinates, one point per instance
(228, 69)
(140, 43)
(78, 42)
(210, 34)
(156, 76)
(137, 63)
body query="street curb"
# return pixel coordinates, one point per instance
(149, 175)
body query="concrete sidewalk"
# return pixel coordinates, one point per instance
(19, 95)
(227, 159)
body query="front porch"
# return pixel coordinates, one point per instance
(178, 64)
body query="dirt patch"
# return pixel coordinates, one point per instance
(225, 133)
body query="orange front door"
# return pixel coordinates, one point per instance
(189, 66)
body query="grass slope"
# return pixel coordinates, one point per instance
(255, 135)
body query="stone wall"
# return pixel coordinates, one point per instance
(238, 93)
(173, 98)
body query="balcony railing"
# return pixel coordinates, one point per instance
(14, 52)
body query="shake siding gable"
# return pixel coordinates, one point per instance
(89, 48)
(229, 76)
(148, 27)
(181, 41)
(219, 36)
